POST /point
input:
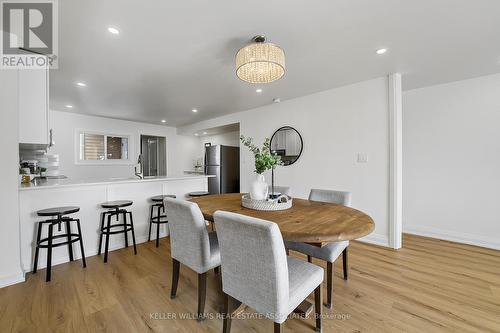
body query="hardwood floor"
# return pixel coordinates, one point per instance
(428, 286)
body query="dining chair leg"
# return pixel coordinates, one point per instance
(287, 252)
(227, 313)
(219, 281)
(202, 294)
(175, 277)
(309, 259)
(318, 307)
(345, 263)
(278, 328)
(329, 284)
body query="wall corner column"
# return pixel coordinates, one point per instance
(395, 161)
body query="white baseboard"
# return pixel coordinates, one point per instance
(9, 280)
(376, 239)
(453, 236)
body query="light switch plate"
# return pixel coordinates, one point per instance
(362, 158)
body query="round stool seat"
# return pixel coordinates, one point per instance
(198, 193)
(160, 198)
(117, 204)
(55, 211)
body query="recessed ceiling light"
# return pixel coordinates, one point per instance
(69, 106)
(81, 84)
(205, 133)
(196, 134)
(258, 90)
(381, 51)
(114, 31)
(163, 121)
(194, 110)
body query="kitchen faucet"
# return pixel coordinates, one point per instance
(139, 174)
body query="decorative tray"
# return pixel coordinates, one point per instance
(281, 203)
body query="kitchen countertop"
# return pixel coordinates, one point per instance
(194, 172)
(56, 183)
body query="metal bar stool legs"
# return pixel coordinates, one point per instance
(133, 232)
(57, 218)
(81, 243)
(160, 218)
(49, 253)
(116, 209)
(106, 248)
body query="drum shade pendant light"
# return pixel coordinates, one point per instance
(260, 62)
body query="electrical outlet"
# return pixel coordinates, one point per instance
(362, 158)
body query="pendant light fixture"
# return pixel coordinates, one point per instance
(260, 62)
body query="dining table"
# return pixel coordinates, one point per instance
(307, 221)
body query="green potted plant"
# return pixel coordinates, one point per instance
(264, 160)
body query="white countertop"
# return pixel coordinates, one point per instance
(55, 183)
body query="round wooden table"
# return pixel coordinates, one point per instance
(307, 221)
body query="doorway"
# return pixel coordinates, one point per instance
(154, 155)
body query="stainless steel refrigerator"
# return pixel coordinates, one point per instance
(224, 163)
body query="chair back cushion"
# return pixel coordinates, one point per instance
(338, 197)
(189, 240)
(254, 262)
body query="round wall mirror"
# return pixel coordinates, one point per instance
(287, 143)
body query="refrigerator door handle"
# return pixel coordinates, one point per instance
(205, 162)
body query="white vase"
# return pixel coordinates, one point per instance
(259, 189)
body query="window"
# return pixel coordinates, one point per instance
(102, 147)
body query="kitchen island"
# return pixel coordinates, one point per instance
(88, 195)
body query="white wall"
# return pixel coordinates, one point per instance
(451, 166)
(181, 149)
(10, 265)
(226, 139)
(336, 125)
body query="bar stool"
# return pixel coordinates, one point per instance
(198, 194)
(115, 209)
(159, 206)
(57, 215)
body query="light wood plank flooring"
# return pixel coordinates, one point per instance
(428, 286)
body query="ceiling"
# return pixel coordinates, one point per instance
(173, 56)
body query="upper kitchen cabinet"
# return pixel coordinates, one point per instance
(293, 143)
(34, 106)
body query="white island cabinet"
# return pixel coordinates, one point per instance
(88, 195)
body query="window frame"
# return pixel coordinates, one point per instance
(106, 161)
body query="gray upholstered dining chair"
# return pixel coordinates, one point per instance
(192, 245)
(257, 272)
(331, 251)
(281, 189)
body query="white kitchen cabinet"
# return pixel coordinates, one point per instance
(279, 141)
(292, 143)
(34, 106)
